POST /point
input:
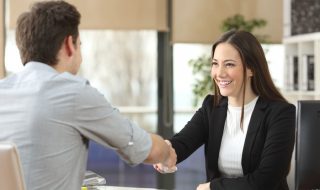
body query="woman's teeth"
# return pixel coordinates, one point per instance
(224, 83)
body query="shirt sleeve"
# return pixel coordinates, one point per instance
(97, 120)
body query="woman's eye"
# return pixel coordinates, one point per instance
(214, 63)
(229, 65)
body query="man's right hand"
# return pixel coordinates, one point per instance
(161, 152)
(169, 165)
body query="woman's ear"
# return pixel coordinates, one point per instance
(249, 73)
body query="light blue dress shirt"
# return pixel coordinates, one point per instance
(50, 116)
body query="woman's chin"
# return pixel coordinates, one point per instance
(224, 92)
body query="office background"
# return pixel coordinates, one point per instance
(141, 48)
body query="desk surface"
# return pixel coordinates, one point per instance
(118, 188)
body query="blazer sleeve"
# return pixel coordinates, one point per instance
(275, 156)
(194, 134)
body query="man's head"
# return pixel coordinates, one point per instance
(45, 29)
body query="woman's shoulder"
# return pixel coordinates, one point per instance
(276, 104)
(208, 99)
(208, 102)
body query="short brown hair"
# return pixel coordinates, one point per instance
(41, 31)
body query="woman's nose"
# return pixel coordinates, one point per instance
(220, 71)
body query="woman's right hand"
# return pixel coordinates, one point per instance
(169, 165)
(164, 169)
(204, 186)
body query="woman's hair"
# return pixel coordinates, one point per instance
(253, 58)
(41, 31)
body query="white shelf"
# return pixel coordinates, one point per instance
(301, 38)
(299, 50)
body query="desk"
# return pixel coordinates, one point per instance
(118, 188)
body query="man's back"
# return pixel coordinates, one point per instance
(51, 116)
(33, 111)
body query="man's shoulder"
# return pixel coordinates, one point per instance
(9, 81)
(67, 81)
(73, 79)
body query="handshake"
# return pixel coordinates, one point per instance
(169, 164)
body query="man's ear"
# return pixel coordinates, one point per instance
(70, 47)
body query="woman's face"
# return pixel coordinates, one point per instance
(227, 71)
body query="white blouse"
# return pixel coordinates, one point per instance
(230, 156)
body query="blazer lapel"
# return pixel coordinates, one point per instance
(218, 120)
(254, 126)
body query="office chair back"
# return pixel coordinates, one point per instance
(11, 176)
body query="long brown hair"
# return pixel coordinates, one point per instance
(253, 58)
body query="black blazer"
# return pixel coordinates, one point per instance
(267, 149)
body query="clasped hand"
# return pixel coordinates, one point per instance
(169, 165)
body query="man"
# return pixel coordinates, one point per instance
(50, 114)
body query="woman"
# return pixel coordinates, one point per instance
(247, 127)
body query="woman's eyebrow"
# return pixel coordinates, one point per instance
(225, 60)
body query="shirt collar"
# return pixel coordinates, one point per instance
(34, 65)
